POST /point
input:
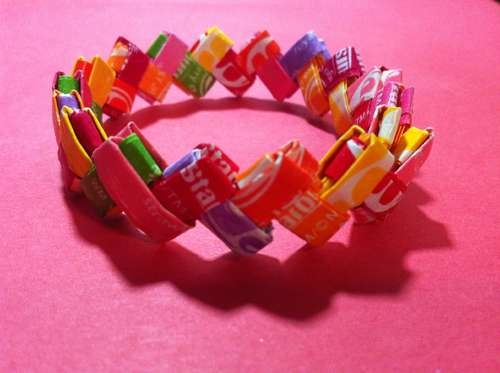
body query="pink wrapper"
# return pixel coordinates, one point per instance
(132, 195)
(276, 79)
(361, 93)
(406, 104)
(387, 96)
(172, 54)
(344, 65)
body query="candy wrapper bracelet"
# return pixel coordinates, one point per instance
(365, 173)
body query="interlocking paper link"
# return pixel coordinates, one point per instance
(365, 172)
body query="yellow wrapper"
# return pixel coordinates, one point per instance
(363, 175)
(101, 80)
(409, 142)
(78, 160)
(212, 48)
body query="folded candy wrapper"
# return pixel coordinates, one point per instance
(390, 190)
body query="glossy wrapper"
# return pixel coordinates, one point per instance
(193, 78)
(235, 229)
(388, 193)
(302, 52)
(361, 177)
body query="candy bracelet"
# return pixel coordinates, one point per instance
(365, 172)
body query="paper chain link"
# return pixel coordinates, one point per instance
(366, 171)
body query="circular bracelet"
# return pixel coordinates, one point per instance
(365, 172)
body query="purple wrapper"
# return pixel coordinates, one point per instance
(183, 162)
(302, 52)
(67, 100)
(237, 231)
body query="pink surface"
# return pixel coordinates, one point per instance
(418, 293)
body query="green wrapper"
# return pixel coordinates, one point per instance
(94, 190)
(136, 153)
(157, 45)
(194, 77)
(66, 83)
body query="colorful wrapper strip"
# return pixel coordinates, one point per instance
(276, 79)
(130, 64)
(136, 153)
(302, 52)
(267, 185)
(134, 198)
(77, 157)
(231, 75)
(193, 78)
(66, 83)
(360, 95)
(236, 229)
(312, 87)
(260, 48)
(362, 176)
(212, 46)
(86, 131)
(284, 186)
(388, 193)
(99, 78)
(345, 65)
(95, 192)
(197, 183)
(337, 74)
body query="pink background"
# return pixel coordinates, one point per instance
(418, 293)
